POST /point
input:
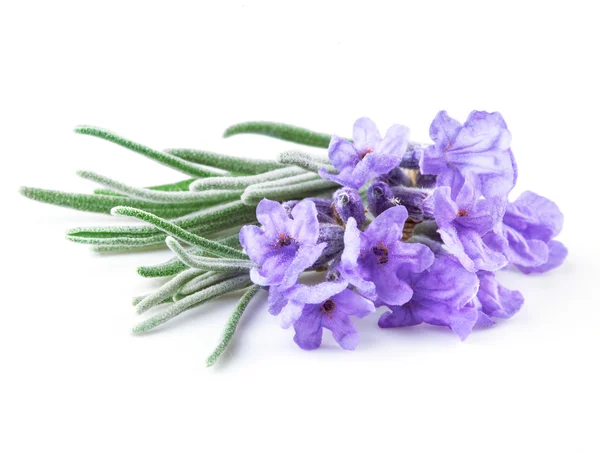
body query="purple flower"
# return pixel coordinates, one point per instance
(284, 247)
(332, 313)
(369, 156)
(289, 302)
(372, 259)
(464, 221)
(347, 203)
(441, 296)
(480, 147)
(494, 300)
(526, 237)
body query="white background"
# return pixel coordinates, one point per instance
(176, 74)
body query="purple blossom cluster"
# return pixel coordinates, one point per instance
(426, 249)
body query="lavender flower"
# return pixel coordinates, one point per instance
(289, 302)
(464, 221)
(481, 147)
(372, 259)
(441, 296)
(526, 238)
(369, 156)
(284, 247)
(333, 313)
(347, 203)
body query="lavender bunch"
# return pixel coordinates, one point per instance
(417, 229)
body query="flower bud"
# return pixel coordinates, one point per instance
(333, 235)
(417, 202)
(347, 203)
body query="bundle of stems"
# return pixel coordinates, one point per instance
(204, 211)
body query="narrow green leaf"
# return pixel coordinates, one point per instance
(217, 216)
(159, 196)
(203, 281)
(191, 301)
(252, 196)
(241, 182)
(104, 203)
(240, 165)
(167, 290)
(306, 160)
(174, 266)
(158, 156)
(208, 264)
(281, 131)
(180, 233)
(232, 324)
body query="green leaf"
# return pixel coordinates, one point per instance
(252, 195)
(159, 196)
(241, 182)
(179, 233)
(281, 131)
(240, 165)
(232, 324)
(158, 156)
(174, 266)
(307, 161)
(208, 264)
(191, 301)
(104, 203)
(167, 290)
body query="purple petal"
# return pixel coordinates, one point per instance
(496, 300)
(273, 217)
(387, 227)
(483, 257)
(316, 294)
(342, 329)
(277, 300)
(536, 217)
(309, 332)
(345, 178)
(352, 304)
(556, 256)
(395, 142)
(400, 316)
(291, 313)
(445, 208)
(445, 282)
(442, 131)
(305, 227)
(365, 134)
(523, 252)
(305, 258)
(342, 153)
(391, 290)
(461, 320)
(272, 270)
(256, 243)
(411, 257)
